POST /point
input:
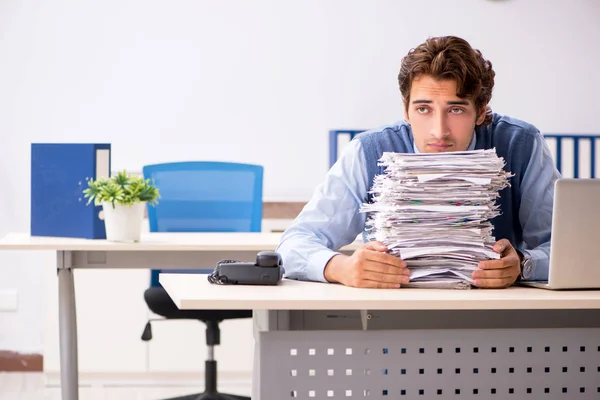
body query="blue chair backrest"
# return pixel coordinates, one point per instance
(558, 139)
(205, 197)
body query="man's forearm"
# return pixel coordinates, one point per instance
(304, 258)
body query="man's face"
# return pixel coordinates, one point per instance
(440, 120)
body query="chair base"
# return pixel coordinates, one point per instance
(210, 396)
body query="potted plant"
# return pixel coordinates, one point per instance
(123, 198)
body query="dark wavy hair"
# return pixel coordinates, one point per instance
(450, 58)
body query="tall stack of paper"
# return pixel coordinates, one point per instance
(433, 211)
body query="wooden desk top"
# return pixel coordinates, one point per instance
(153, 242)
(195, 292)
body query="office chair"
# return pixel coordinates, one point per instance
(202, 197)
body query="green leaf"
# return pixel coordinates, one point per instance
(123, 189)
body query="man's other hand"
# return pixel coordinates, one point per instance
(499, 273)
(369, 267)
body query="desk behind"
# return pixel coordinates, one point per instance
(193, 241)
(98, 257)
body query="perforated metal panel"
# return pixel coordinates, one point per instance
(431, 364)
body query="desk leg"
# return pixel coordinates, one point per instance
(256, 370)
(256, 316)
(69, 381)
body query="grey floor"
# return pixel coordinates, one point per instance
(32, 386)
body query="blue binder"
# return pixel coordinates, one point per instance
(59, 174)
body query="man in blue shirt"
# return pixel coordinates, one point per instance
(446, 86)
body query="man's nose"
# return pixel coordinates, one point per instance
(440, 129)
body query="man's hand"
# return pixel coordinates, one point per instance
(370, 266)
(499, 273)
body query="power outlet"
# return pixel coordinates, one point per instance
(9, 300)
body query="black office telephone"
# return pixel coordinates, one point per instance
(267, 270)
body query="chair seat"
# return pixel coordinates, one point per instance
(160, 303)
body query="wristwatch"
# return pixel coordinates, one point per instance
(526, 266)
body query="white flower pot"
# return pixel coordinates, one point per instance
(123, 222)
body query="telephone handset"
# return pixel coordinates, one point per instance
(267, 270)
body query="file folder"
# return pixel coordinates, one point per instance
(59, 175)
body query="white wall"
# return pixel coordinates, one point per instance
(252, 81)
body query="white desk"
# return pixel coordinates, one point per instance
(196, 293)
(317, 340)
(155, 251)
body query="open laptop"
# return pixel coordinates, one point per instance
(575, 242)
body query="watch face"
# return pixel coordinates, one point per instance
(526, 267)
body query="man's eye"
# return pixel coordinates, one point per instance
(422, 110)
(456, 110)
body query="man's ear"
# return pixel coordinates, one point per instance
(481, 116)
(406, 113)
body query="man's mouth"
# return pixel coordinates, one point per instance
(440, 145)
